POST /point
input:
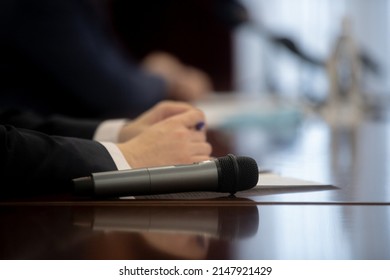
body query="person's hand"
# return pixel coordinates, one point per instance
(174, 140)
(157, 113)
(185, 83)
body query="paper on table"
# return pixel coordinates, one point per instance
(269, 183)
(273, 180)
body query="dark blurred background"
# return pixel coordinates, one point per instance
(259, 46)
(196, 31)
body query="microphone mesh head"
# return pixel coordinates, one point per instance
(237, 173)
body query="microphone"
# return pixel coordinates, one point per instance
(227, 174)
(220, 222)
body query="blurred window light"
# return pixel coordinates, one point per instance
(313, 26)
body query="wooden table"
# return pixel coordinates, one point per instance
(350, 222)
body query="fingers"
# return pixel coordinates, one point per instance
(191, 119)
(198, 136)
(201, 150)
(179, 139)
(191, 84)
(171, 108)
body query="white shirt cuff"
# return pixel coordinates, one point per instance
(108, 131)
(116, 155)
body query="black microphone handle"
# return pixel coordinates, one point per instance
(202, 176)
(227, 174)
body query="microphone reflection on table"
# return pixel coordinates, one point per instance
(170, 232)
(125, 231)
(220, 222)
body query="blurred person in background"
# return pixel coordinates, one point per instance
(63, 57)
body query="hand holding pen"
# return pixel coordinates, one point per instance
(171, 133)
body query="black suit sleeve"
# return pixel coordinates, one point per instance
(32, 163)
(52, 125)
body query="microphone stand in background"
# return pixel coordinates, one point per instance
(235, 14)
(365, 61)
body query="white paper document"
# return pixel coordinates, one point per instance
(269, 183)
(273, 180)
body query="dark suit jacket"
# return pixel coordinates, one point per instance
(51, 125)
(59, 57)
(32, 163)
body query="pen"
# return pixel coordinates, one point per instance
(199, 125)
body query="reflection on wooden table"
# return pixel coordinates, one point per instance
(122, 232)
(126, 232)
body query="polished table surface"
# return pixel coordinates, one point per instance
(354, 158)
(349, 221)
(231, 232)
